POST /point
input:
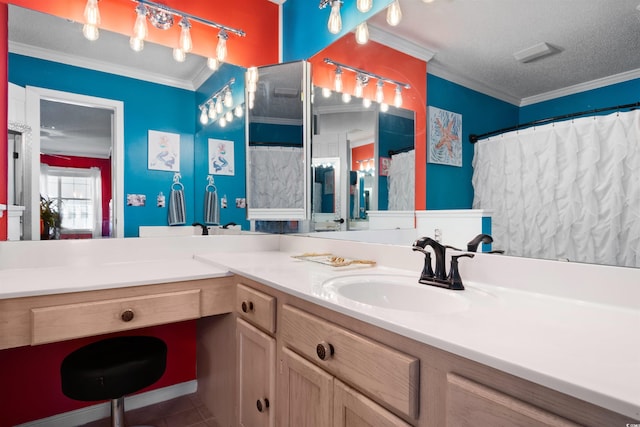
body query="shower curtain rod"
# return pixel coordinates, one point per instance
(400, 150)
(473, 138)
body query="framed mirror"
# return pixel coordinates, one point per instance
(278, 149)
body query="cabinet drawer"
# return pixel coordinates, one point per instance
(256, 307)
(470, 403)
(69, 321)
(385, 374)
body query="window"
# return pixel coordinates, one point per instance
(78, 192)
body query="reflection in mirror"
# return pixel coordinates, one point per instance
(362, 139)
(277, 145)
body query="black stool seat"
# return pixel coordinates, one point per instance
(112, 368)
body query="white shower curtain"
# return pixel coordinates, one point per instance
(276, 177)
(401, 181)
(566, 190)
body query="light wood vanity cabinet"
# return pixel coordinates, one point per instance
(331, 369)
(256, 355)
(320, 397)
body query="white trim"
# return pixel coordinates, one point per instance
(2, 209)
(386, 38)
(92, 64)
(442, 72)
(32, 154)
(102, 410)
(453, 213)
(582, 87)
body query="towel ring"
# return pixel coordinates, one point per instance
(179, 184)
(211, 188)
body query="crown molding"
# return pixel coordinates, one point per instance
(77, 61)
(444, 73)
(386, 38)
(582, 87)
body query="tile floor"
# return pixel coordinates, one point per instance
(183, 411)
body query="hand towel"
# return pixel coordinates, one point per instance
(211, 207)
(177, 210)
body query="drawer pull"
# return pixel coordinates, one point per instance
(262, 404)
(127, 315)
(324, 350)
(247, 306)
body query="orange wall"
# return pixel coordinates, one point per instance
(383, 61)
(257, 18)
(363, 152)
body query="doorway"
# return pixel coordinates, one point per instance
(80, 140)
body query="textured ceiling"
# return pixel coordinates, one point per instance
(474, 42)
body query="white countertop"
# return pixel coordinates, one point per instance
(23, 282)
(587, 350)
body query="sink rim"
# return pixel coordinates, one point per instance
(409, 295)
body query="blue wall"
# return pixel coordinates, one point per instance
(449, 187)
(304, 26)
(231, 186)
(608, 96)
(147, 106)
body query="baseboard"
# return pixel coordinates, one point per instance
(102, 410)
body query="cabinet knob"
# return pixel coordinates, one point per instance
(247, 306)
(262, 404)
(127, 315)
(324, 350)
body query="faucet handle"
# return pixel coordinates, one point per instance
(454, 279)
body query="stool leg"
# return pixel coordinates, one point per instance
(117, 412)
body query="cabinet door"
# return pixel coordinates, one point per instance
(352, 409)
(256, 376)
(308, 391)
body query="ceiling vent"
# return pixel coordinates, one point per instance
(534, 52)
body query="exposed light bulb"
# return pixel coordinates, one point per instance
(228, 98)
(221, 49)
(179, 55)
(204, 118)
(252, 100)
(136, 44)
(90, 32)
(222, 122)
(346, 98)
(427, 1)
(380, 92)
(219, 106)
(212, 111)
(326, 92)
(362, 33)
(364, 5)
(394, 14)
(335, 20)
(213, 64)
(92, 13)
(384, 107)
(228, 116)
(359, 88)
(185, 35)
(366, 102)
(397, 99)
(252, 78)
(338, 80)
(140, 29)
(238, 111)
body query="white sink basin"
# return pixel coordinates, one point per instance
(398, 293)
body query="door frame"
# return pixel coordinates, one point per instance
(34, 95)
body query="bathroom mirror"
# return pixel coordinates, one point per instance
(277, 143)
(355, 144)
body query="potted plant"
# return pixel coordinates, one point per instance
(49, 218)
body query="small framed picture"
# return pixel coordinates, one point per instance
(164, 151)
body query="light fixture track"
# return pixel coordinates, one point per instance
(367, 73)
(191, 17)
(218, 93)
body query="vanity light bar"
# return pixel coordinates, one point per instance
(178, 13)
(367, 73)
(218, 93)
